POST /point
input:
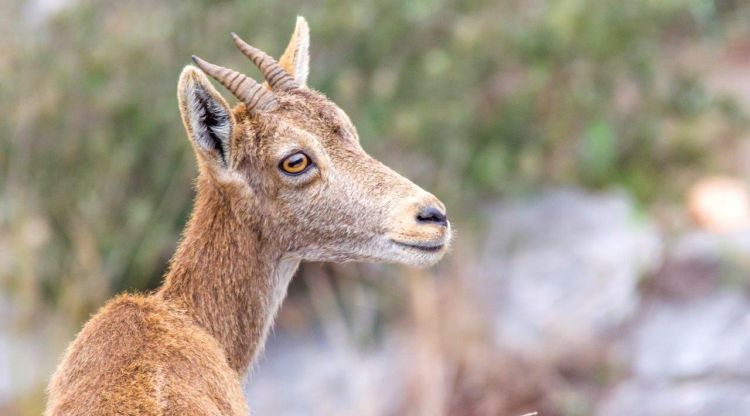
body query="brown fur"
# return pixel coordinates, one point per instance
(184, 349)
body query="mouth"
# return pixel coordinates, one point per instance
(425, 247)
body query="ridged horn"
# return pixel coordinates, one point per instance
(246, 89)
(276, 76)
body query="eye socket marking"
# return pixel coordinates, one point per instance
(295, 164)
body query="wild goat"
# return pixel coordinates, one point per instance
(282, 178)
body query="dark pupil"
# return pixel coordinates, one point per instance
(295, 161)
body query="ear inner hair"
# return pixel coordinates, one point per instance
(210, 123)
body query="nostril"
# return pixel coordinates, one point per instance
(432, 215)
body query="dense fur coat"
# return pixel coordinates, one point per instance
(184, 349)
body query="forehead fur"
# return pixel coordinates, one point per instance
(304, 109)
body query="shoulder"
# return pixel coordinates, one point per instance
(139, 353)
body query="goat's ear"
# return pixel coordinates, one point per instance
(296, 57)
(206, 116)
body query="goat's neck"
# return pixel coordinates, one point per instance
(226, 274)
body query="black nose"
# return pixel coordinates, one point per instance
(432, 214)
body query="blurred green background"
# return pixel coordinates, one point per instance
(474, 100)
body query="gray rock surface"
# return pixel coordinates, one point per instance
(688, 358)
(693, 340)
(562, 268)
(686, 398)
(315, 377)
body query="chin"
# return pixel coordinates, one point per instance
(383, 249)
(416, 254)
(420, 259)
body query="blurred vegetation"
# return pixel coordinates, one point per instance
(473, 99)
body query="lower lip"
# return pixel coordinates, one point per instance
(429, 249)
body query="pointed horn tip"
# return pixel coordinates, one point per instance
(202, 63)
(237, 39)
(205, 66)
(240, 43)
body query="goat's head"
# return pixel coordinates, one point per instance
(293, 157)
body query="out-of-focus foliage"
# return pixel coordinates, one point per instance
(470, 98)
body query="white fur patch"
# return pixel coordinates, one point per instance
(282, 275)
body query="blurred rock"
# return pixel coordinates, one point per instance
(682, 341)
(562, 269)
(314, 377)
(708, 246)
(688, 358)
(688, 398)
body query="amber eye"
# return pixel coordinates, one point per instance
(295, 164)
